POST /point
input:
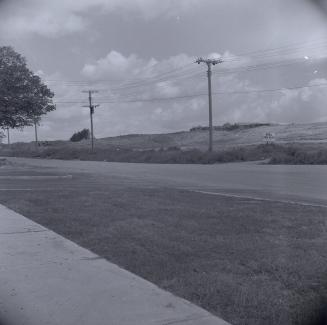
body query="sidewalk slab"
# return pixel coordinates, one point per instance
(46, 279)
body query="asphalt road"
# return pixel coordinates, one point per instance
(300, 183)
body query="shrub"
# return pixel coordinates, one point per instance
(230, 127)
(81, 135)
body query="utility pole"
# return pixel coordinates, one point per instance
(36, 137)
(209, 63)
(92, 107)
(8, 136)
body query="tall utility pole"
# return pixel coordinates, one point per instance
(36, 137)
(8, 136)
(92, 107)
(209, 63)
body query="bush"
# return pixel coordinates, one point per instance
(230, 127)
(81, 135)
(297, 155)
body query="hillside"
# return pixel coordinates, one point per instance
(198, 139)
(316, 132)
(293, 144)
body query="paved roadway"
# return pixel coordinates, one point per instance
(297, 183)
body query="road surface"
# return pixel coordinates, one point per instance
(299, 183)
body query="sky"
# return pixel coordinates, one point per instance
(140, 57)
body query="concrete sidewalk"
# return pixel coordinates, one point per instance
(46, 279)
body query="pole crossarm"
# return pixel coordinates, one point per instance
(209, 61)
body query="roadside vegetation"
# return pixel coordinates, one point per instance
(300, 155)
(231, 127)
(80, 135)
(270, 153)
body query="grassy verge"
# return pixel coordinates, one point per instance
(249, 262)
(275, 153)
(299, 154)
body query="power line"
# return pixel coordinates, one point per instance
(278, 51)
(237, 70)
(190, 76)
(140, 100)
(113, 98)
(87, 82)
(264, 66)
(156, 82)
(270, 90)
(161, 76)
(259, 54)
(218, 73)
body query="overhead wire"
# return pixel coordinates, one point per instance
(187, 73)
(259, 54)
(269, 90)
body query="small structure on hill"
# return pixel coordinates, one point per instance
(269, 138)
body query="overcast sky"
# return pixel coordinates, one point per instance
(134, 50)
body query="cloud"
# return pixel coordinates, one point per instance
(123, 77)
(117, 66)
(57, 18)
(300, 105)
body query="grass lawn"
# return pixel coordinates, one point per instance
(246, 261)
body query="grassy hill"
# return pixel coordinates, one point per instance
(315, 133)
(294, 143)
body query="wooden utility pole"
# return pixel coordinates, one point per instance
(8, 136)
(92, 107)
(36, 136)
(209, 63)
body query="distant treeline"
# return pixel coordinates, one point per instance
(230, 127)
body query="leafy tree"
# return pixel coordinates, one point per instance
(81, 135)
(23, 96)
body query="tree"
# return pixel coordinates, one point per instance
(81, 135)
(23, 96)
